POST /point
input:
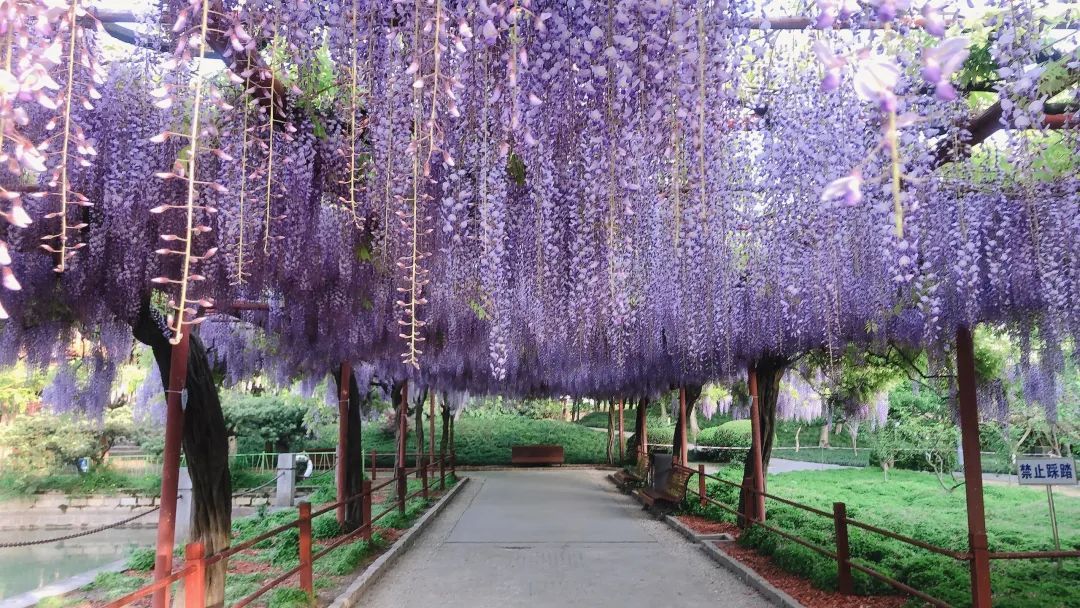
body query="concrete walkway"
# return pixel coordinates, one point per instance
(553, 538)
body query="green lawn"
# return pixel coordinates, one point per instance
(486, 440)
(912, 503)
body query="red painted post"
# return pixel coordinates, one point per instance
(701, 484)
(374, 465)
(681, 454)
(845, 584)
(170, 465)
(622, 440)
(307, 584)
(755, 450)
(195, 580)
(365, 508)
(973, 487)
(343, 441)
(402, 436)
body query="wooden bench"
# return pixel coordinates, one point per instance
(537, 454)
(636, 475)
(673, 494)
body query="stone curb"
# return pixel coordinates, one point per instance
(551, 467)
(371, 574)
(740, 570)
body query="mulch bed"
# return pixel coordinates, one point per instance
(797, 587)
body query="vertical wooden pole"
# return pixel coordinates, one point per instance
(681, 453)
(365, 509)
(175, 399)
(844, 582)
(195, 580)
(374, 464)
(701, 485)
(643, 428)
(431, 427)
(306, 579)
(973, 487)
(343, 441)
(755, 450)
(402, 437)
(622, 440)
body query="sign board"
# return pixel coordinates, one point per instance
(1047, 471)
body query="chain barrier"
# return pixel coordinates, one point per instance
(45, 541)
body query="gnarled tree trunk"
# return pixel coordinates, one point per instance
(205, 442)
(769, 371)
(693, 391)
(354, 450)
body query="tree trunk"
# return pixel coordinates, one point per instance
(694, 428)
(798, 430)
(823, 437)
(610, 435)
(395, 397)
(769, 371)
(445, 440)
(641, 431)
(692, 393)
(419, 413)
(206, 445)
(354, 450)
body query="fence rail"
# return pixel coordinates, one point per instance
(195, 563)
(841, 522)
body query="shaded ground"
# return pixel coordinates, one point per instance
(553, 538)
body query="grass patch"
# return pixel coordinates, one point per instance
(486, 440)
(141, 559)
(347, 558)
(239, 586)
(912, 503)
(289, 597)
(115, 584)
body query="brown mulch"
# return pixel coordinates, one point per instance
(795, 586)
(704, 525)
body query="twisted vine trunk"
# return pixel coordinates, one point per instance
(693, 391)
(354, 450)
(205, 443)
(769, 371)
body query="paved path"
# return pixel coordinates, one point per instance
(553, 538)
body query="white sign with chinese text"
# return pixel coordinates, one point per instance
(1047, 471)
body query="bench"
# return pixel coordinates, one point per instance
(537, 454)
(673, 494)
(636, 475)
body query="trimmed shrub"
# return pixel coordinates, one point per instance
(733, 434)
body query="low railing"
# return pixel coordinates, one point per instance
(842, 552)
(193, 572)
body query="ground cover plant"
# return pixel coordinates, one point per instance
(912, 503)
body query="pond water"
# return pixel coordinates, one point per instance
(27, 568)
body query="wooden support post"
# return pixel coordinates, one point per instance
(195, 580)
(973, 486)
(343, 441)
(680, 451)
(431, 427)
(755, 450)
(307, 584)
(643, 428)
(845, 584)
(374, 464)
(622, 440)
(423, 470)
(170, 464)
(701, 485)
(365, 509)
(402, 437)
(442, 473)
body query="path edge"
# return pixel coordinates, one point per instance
(743, 572)
(371, 574)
